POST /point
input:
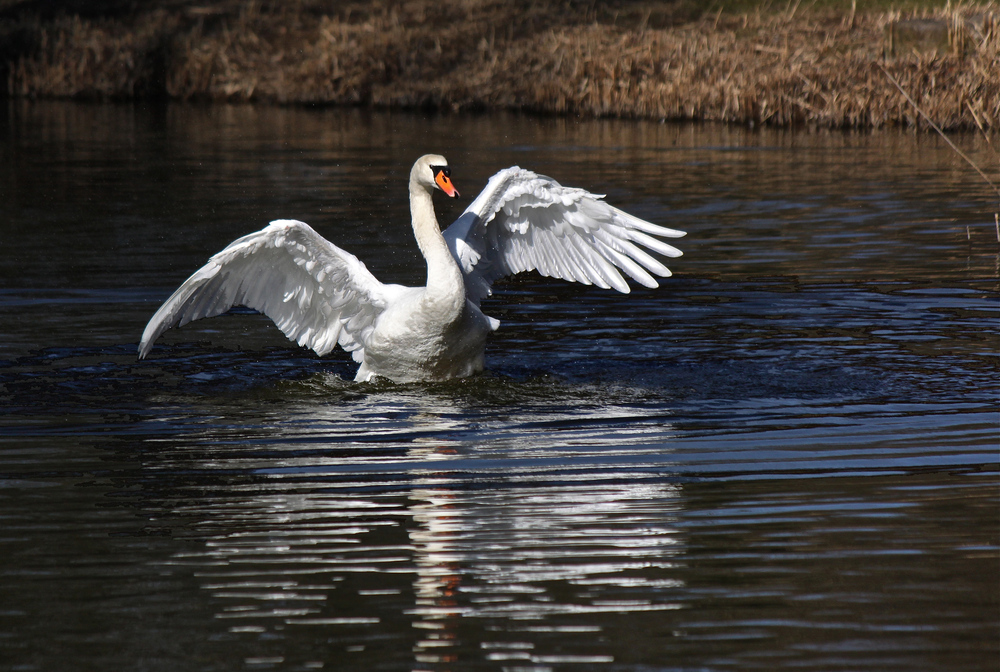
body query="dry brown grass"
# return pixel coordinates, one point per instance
(779, 67)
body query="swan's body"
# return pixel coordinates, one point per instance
(321, 296)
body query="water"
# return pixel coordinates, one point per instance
(785, 458)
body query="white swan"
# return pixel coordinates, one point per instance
(319, 295)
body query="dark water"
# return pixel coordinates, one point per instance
(785, 458)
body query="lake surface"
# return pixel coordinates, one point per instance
(784, 458)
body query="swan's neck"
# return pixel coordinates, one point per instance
(443, 274)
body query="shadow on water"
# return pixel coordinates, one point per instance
(785, 458)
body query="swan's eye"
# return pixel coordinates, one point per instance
(441, 169)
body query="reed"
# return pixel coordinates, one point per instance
(783, 65)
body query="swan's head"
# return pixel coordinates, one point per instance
(432, 172)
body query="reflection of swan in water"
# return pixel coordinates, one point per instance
(319, 295)
(414, 539)
(542, 558)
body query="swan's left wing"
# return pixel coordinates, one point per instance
(316, 293)
(523, 221)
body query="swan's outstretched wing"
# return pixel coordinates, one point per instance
(315, 292)
(523, 221)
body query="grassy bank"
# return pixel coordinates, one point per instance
(820, 63)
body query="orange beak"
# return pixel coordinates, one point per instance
(444, 182)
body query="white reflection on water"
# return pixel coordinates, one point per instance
(526, 548)
(538, 555)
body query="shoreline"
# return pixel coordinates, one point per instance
(816, 67)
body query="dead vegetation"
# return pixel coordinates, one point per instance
(783, 66)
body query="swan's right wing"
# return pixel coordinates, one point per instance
(316, 293)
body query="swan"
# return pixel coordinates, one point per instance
(321, 296)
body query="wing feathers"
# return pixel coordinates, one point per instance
(634, 252)
(316, 293)
(654, 244)
(641, 224)
(523, 221)
(587, 263)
